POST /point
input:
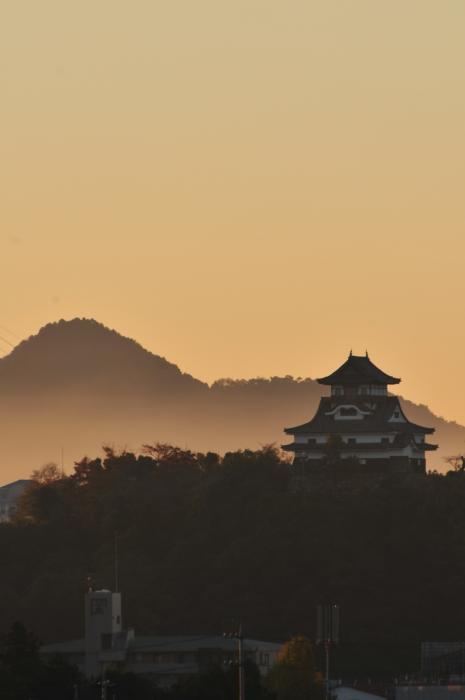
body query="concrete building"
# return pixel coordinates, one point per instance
(443, 662)
(425, 691)
(164, 658)
(366, 423)
(9, 495)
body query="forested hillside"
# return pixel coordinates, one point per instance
(205, 540)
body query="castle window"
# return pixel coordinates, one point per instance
(337, 391)
(364, 390)
(351, 441)
(348, 411)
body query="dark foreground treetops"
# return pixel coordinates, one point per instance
(204, 539)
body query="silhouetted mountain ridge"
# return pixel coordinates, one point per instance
(77, 385)
(85, 353)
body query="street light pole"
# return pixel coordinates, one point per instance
(240, 661)
(240, 641)
(328, 682)
(327, 634)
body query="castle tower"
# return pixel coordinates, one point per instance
(367, 423)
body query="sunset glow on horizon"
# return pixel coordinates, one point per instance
(248, 189)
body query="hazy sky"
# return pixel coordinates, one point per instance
(247, 187)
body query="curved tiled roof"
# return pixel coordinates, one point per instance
(361, 446)
(358, 370)
(381, 409)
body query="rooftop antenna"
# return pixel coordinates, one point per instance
(116, 562)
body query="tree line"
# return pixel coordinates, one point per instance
(205, 539)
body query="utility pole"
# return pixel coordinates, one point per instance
(327, 634)
(116, 555)
(103, 684)
(240, 661)
(327, 674)
(240, 642)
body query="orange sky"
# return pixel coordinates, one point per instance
(248, 187)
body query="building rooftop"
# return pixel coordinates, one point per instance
(379, 412)
(356, 370)
(361, 447)
(14, 488)
(166, 644)
(194, 642)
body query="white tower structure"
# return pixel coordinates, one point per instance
(104, 641)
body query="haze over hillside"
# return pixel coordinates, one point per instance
(77, 385)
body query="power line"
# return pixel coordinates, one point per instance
(6, 341)
(10, 332)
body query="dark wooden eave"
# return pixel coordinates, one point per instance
(358, 370)
(357, 447)
(376, 422)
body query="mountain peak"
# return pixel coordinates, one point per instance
(84, 352)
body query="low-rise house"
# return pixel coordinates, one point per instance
(164, 658)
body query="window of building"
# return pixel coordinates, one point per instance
(107, 641)
(98, 606)
(337, 391)
(372, 390)
(351, 411)
(385, 441)
(351, 441)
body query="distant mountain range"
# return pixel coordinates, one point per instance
(77, 385)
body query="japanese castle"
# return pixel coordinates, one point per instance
(363, 421)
